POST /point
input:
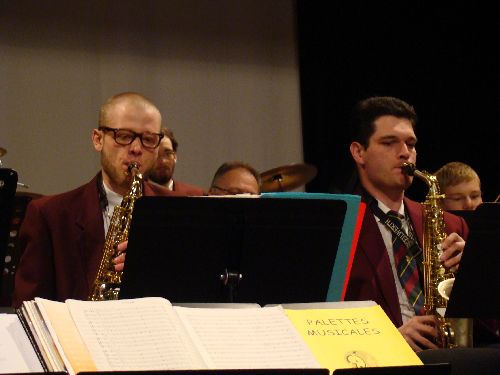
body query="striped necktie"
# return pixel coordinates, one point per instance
(406, 266)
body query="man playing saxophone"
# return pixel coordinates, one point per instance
(388, 255)
(62, 236)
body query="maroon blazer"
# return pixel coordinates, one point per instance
(371, 275)
(62, 240)
(186, 189)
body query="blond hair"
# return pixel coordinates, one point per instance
(454, 173)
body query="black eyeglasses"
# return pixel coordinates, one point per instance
(167, 154)
(125, 137)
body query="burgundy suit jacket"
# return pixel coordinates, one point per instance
(186, 189)
(61, 242)
(371, 275)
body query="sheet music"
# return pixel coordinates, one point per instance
(45, 340)
(65, 335)
(16, 353)
(246, 338)
(139, 334)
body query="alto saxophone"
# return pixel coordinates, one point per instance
(107, 282)
(438, 281)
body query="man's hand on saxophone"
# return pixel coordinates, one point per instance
(452, 247)
(420, 332)
(119, 261)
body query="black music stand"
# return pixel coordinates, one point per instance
(8, 185)
(476, 290)
(248, 250)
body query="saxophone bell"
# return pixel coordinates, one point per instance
(445, 287)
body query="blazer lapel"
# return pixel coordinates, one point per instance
(90, 228)
(374, 248)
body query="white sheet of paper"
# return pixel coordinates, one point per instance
(246, 338)
(16, 353)
(133, 335)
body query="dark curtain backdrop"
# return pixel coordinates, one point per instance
(441, 58)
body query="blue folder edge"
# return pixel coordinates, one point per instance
(341, 263)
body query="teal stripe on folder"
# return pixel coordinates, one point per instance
(340, 265)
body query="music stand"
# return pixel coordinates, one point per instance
(476, 288)
(8, 185)
(247, 250)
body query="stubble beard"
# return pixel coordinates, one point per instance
(163, 177)
(118, 177)
(160, 178)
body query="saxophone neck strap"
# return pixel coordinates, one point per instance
(395, 227)
(101, 193)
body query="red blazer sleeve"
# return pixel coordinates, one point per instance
(35, 271)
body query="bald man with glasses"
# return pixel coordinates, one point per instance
(235, 178)
(62, 236)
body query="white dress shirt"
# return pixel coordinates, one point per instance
(407, 310)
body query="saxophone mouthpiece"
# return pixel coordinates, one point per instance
(133, 168)
(408, 168)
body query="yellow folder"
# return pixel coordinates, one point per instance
(353, 337)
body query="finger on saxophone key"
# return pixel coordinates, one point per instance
(119, 261)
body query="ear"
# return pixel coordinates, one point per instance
(357, 152)
(97, 139)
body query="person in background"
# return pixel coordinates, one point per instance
(62, 236)
(235, 178)
(163, 170)
(461, 186)
(383, 269)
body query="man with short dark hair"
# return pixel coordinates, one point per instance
(383, 269)
(163, 170)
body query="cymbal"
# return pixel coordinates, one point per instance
(287, 177)
(2, 152)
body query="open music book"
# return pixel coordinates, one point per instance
(151, 334)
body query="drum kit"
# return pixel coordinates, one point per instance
(287, 177)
